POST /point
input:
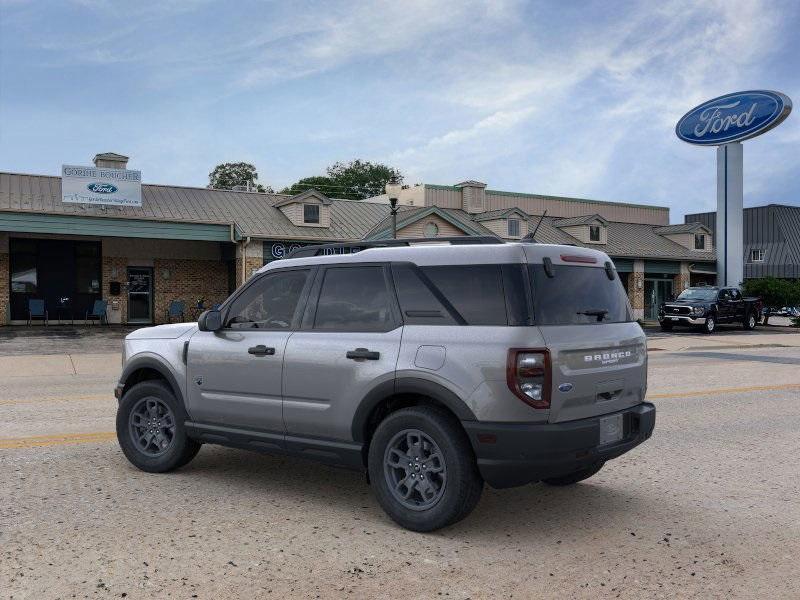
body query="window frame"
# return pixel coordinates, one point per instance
(310, 312)
(516, 221)
(599, 233)
(761, 255)
(702, 238)
(319, 213)
(301, 302)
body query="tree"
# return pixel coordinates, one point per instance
(774, 292)
(228, 175)
(355, 180)
(317, 182)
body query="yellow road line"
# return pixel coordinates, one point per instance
(733, 390)
(8, 401)
(40, 441)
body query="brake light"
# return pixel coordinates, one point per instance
(528, 376)
(576, 258)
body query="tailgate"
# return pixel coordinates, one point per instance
(597, 368)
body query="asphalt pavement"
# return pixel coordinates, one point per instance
(707, 508)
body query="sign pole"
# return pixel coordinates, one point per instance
(730, 202)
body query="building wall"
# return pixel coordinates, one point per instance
(4, 287)
(253, 260)
(499, 227)
(451, 197)
(581, 233)
(636, 289)
(188, 280)
(417, 229)
(294, 212)
(682, 280)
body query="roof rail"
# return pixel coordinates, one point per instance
(352, 247)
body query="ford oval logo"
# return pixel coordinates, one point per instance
(101, 188)
(733, 117)
(565, 387)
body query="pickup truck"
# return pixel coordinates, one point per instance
(706, 307)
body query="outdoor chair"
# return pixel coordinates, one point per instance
(37, 310)
(99, 312)
(176, 309)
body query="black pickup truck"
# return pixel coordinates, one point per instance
(705, 307)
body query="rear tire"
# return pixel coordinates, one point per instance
(151, 430)
(575, 477)
(416, 442)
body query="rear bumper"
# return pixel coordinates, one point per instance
(513, 454)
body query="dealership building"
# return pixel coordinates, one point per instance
(70, 248)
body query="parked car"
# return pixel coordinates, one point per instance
(433, 368)
(706, 307)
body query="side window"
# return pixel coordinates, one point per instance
(418, 303)
(354, 299)
(269, 303)
(475, 291)
(735, 295)
(724, 295)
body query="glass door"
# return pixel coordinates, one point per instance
(656, 291)
(140, 295)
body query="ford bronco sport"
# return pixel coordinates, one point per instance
(432, 367)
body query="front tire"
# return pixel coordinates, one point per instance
(412, 444)
(710, 325)
(150, 428)
(666, 326)
(574, 477)
(750, 321)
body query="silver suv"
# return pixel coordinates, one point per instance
(432, 367)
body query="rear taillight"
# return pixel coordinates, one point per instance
(528, 376)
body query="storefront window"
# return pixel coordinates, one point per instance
(87, 268)
(23, 266)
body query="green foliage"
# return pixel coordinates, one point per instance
(795, 321)
(318, 182)
(774, 292)
(228, 175)
(355, 180)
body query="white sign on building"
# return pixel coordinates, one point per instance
(97, 185)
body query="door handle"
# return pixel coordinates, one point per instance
(261, 350)
(363, 353)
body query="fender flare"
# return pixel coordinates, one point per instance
(407, 385)
(151, 362)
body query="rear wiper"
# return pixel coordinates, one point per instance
(599, 313)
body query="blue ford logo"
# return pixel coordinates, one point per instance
(101, 188)
(733, 117)
(565, 387)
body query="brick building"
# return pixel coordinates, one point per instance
(191, 244)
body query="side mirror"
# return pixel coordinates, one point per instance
(210, 320)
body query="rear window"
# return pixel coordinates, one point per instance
(577, 296)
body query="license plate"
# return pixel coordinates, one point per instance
(675, 318)
(610, 429)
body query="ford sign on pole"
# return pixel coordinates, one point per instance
(94, 185)
(725, 122)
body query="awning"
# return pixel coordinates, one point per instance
(703, 268)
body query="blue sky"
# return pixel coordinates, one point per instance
(564, 98)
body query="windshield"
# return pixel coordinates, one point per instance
(698, 294)
(578, 295)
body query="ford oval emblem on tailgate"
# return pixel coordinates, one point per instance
(565, 387)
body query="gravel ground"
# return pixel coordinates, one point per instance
(707, 508)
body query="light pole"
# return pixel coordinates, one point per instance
(393, 188)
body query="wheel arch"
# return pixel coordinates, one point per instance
(147, 368)
(390, 396)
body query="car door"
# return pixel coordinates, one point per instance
(234, 374)
(736, 305)
(347, 345)
(723, 305)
